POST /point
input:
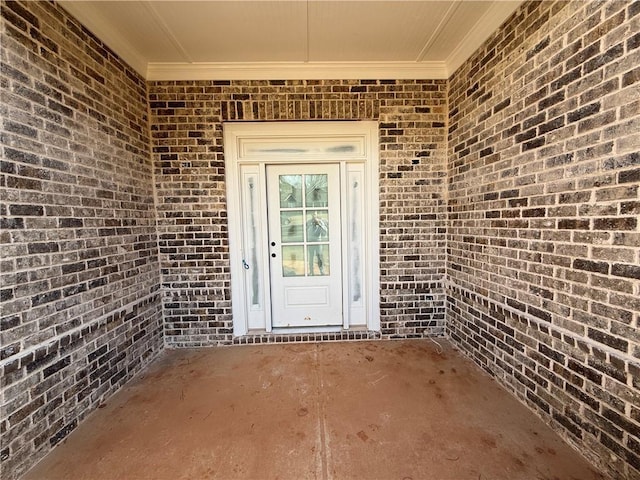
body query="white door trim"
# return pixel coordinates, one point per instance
(249, 147)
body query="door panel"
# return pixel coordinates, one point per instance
(305, 244)
(307, 296)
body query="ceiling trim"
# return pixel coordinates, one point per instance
(486, 25)
(168, 32)
(438, 31)
(297, 71)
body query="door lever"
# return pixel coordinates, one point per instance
(245, 265)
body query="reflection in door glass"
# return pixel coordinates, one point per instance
(317, 231)
(293, 261)
(317, 226)
(318, 259)
(291, 226)
(316, 191)
(304, 224)
(290, 191)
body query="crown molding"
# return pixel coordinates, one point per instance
(438, 30)
(296, 71)
(487, 24)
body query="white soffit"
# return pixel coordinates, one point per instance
(292, 39)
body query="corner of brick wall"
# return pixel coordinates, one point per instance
(544, 242)
(81, 310)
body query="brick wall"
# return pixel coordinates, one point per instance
(189, 166)
(543, 241)
(541, 245)
(81, 310)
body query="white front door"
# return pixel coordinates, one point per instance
(305, 241)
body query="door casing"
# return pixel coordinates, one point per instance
(249, 147)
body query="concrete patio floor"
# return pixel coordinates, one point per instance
(404, 410)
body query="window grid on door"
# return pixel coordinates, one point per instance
(304, 225)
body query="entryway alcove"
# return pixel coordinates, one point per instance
(285, 179)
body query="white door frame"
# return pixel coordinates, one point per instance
(249, 147)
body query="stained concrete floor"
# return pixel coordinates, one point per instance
(404, 410)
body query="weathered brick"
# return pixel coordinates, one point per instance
(22, 12)
(622, 223)
(63, 432)
(536, 143)
(583, 112)
(622, 422)
(36, 248)
(502, 105)
(579, 205)
(629, 176)
(624, 270)
(573, 224)
(551, 125)
(529, 219)
(633, 42)
(59, 365)
(26, 210)
(591, 266)
(44, 198)
(613, 342)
